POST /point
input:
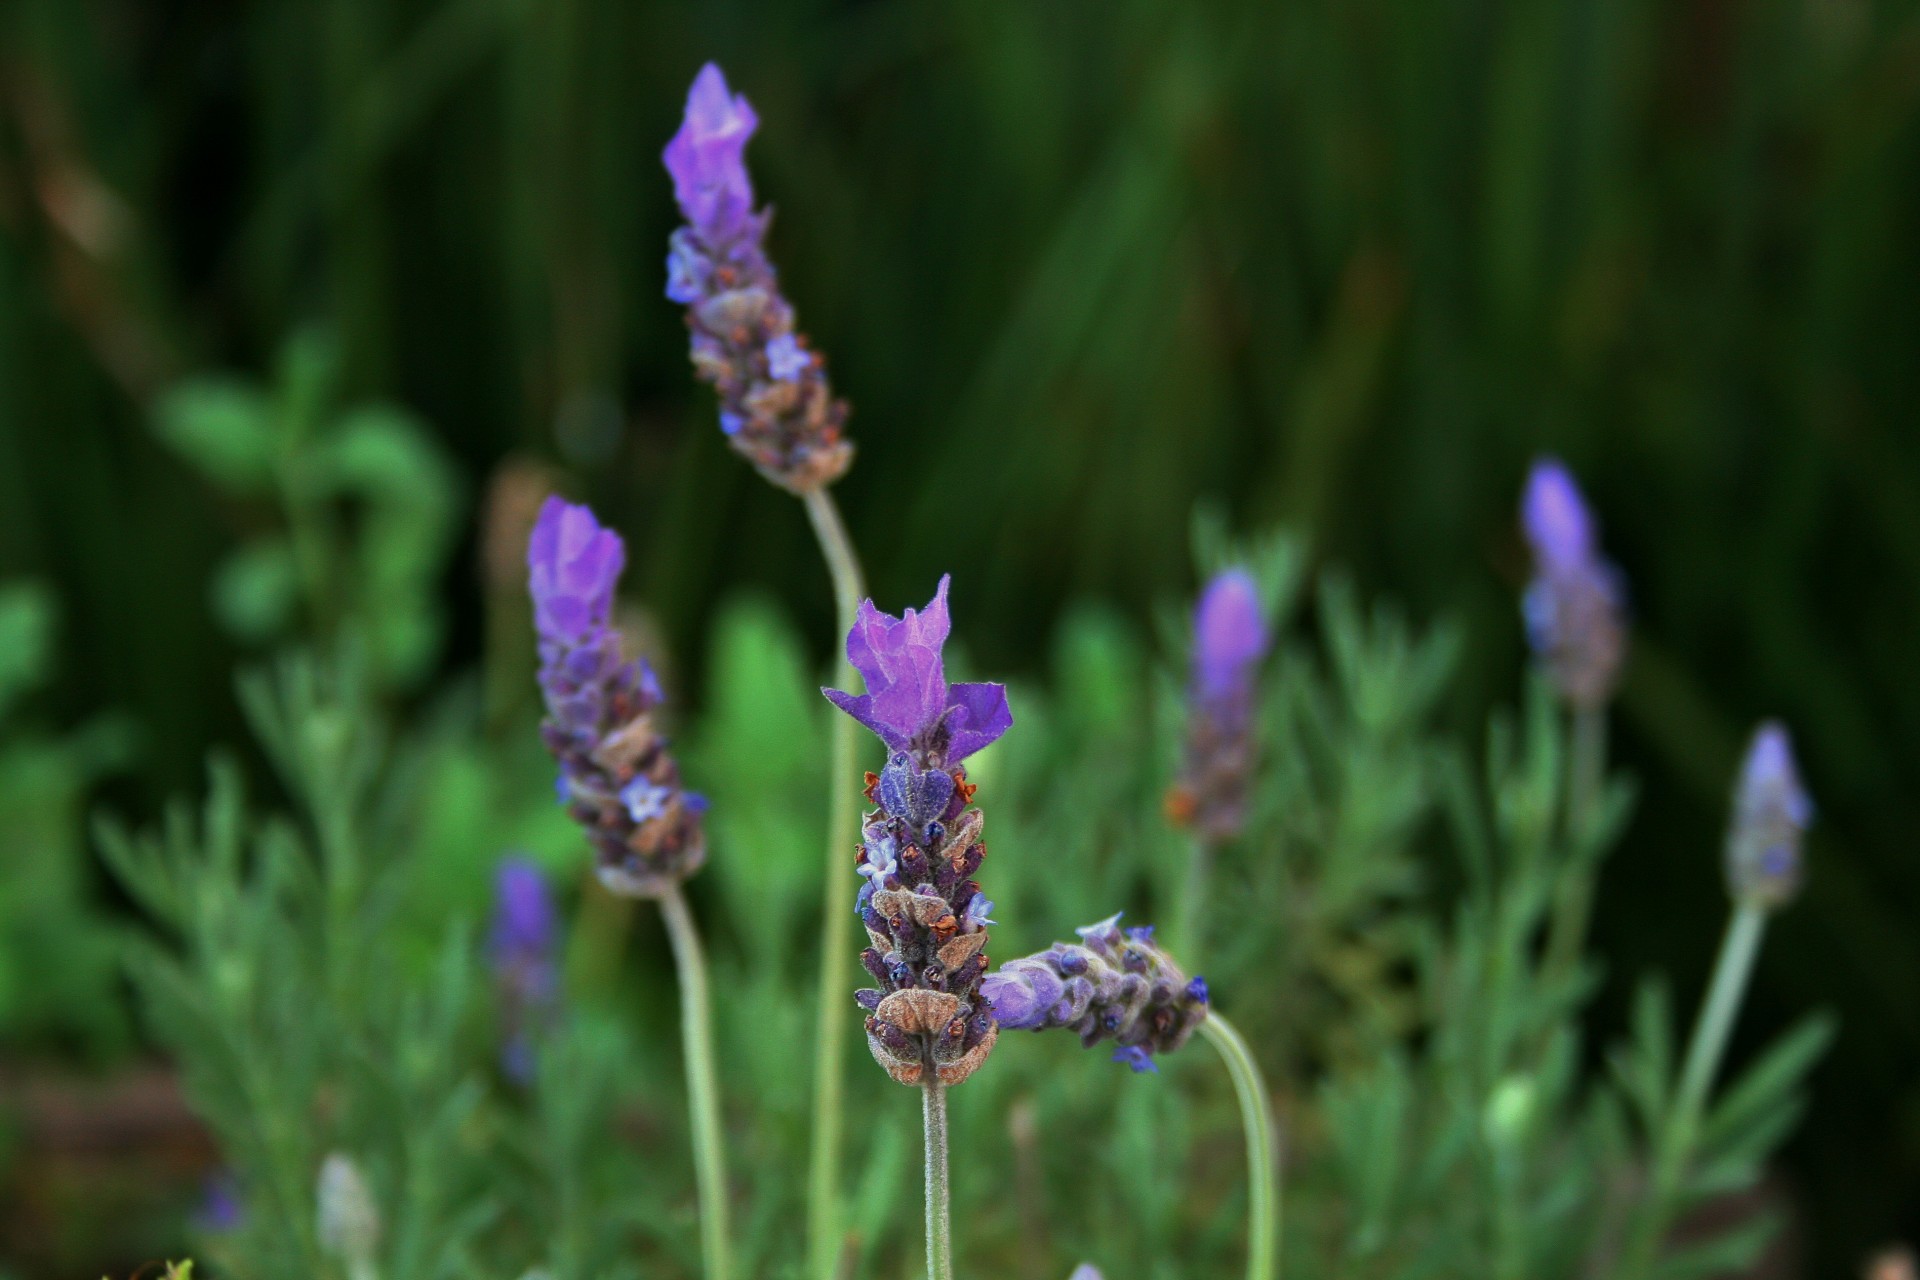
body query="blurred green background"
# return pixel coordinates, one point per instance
(1344, 266)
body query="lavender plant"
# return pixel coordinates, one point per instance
(925, 914)
(620, 782)
(778, 412)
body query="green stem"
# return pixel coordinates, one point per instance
(1190, 925)
(1573, 906)
(1256, 1118)
(1680, 1127)
(836, 893)
(703, 1090)
(933, 1112)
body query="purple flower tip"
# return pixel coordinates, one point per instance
(786, 358)
(707, 158)
(908, 702)
(1137, 1057)
(1021, 995)
(523, 919)
(1198, 989)
(1554, 517)
(572, 566)
(1770, 776)
(1229, 635)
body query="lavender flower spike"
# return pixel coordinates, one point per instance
(522, 951)
(775, 405)
(1115, 984)
(617, 778)
(1230, 638)
(925, 915)
(1575, 605)
(1771, 812)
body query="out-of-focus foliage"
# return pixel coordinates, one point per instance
(1076, 264)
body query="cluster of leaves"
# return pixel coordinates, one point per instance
(1379, 934)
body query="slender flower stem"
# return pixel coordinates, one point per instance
(703, 1090)
(1680, 1128)
(1573, 907)
(933, 1111)
(836, 892)
(1256, 1118)
(1188, 942)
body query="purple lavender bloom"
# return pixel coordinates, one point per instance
(1575, 604)
(925, 915)
(777, 409)
(222, 1210)
(1771, 813)
(617, 778)
(908, 700)
(1114, 984)
(522, 950)
(1230, 638)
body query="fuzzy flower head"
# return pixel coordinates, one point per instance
(1575, 605)
(707, 158)
(617, 778)
(1771, 813)
(1114, 984)
(1230, 638)
(522, 949)
(776, 408)
(908, 701)
(926, 916)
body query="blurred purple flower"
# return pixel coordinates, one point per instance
(522, 949)
(617, 778)
(908, 702)
(1575, 605)
(1771, 813)
(707, 159)
(1230, 638)
(222, 1209)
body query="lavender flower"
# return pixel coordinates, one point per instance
(1115, 984)
(776, 408)
(1771, 812)
(925, 915)
(522, 952)
(1575, 604)
(617, 778)
(1230, 637)
(223, 1209)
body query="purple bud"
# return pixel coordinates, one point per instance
(572, 566)
(1229, 637)
(1554, 517)
(525, 973)
(1021, 994)
(1574, 606)
(1137, 1057)
(707, 158)
(1771, 812)
(908, 702)
(786, 358)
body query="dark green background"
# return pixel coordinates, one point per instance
(1344, 264)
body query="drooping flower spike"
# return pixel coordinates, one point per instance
(617, 778)
(1771, 813)
(1575, 606)
(775, 405)
(925, 915)
(1230, 638)
(522, 949)
(1114, 984)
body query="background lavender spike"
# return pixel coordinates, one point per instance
(1230, 637)
(1115, 984)
(617, 778)
(775, 405)
(1771, 812)
(925, 915)
(1575, 606)
(522, 950)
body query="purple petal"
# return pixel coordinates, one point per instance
(1229, 634)
(707, 158)
(1554, 517)
(860, 707)
(980, 716)
(573, 564)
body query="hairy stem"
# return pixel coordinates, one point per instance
(703, 1088)
(1573, 906)
(933, 1111)
(836, 893)
(1680, 1128)
(1256, 1118)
